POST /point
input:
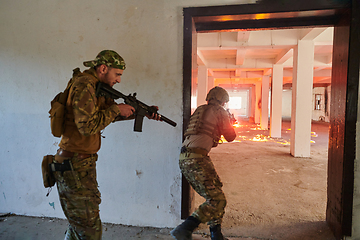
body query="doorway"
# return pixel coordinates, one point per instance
(264, 15)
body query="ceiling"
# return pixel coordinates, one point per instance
(238, 58)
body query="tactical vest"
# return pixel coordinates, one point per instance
(198, 124)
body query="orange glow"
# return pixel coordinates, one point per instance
(223, 140)
(314, 134)
(284, 142)
(262, 16)
(226, 18)
(260, 138)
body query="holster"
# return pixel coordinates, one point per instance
(48, 176)
(187, 153)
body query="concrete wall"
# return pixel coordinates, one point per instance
(321, 114)
(356, 197)
(286, 103)
(41, 42)
(316, 114)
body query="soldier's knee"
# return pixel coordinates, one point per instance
(222, 203)
(219, 203)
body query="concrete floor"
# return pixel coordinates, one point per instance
(14, 227)
(270, 194)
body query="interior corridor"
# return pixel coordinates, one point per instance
(270, 194)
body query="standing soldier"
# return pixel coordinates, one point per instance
(206, 125)
(75, 162)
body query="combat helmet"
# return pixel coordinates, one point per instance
(219, 94)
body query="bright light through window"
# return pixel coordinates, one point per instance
(234, 103)
(193, 102)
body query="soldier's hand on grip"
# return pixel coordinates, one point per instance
(126, 110)
(154, 116)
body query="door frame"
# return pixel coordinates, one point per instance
(270, 14)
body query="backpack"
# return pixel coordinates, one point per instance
(58, 108)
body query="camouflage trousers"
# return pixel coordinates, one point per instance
(201, 175)
(80, 198)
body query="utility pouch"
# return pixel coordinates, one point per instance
(58, 106)
(48, 176)
(57, 114)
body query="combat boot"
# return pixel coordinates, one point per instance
(70, 234)
(215, 233)
(185, 230)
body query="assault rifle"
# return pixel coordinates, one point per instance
(231, 117)
(141, 109)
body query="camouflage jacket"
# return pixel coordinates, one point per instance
(86, 115)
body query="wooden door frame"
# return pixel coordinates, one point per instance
(245, 16)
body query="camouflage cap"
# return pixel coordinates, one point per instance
(109, 58)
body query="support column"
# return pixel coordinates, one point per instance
(257, 102)
(202, 85)
(276, 101)
(252, 105)
(210, 84)
(248, 100)
(264, 124)
(301, 107)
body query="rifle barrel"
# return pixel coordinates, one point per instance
(165, 119)
(113, 93)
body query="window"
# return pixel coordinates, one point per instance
(317, 101)
(235, 103)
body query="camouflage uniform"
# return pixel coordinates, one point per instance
(80, 198)
(86, 116)
(201, 175)
(196, 165)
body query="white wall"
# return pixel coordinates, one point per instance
(286, 103)
(356, 197)
(41, 42)
(317, 115)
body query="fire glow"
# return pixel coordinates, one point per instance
(314, 134)
(261, 137)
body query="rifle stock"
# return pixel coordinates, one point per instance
(141, 109)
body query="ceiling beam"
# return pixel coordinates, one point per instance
(243, 36)
(201, 56)
(244, 74)
(267, 72)
(210, 72)
(240, 56)
(284, 56)
(312, 33)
